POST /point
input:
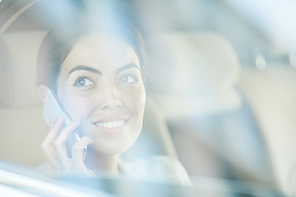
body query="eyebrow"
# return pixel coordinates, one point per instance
(93, 70)
(86, 68)
(123, 68)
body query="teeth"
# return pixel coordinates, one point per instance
(112, 124)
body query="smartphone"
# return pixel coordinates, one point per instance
(52, 109)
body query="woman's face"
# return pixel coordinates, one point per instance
(101, 83)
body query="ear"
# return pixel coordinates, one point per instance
(41, 92)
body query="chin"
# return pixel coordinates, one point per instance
(106, 150)
(113, 147)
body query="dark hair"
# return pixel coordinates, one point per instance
(59, 41)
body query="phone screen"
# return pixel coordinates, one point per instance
(52, 109)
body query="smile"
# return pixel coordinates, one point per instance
(111, 124)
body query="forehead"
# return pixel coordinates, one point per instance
(100, 50)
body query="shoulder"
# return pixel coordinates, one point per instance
(159, 168)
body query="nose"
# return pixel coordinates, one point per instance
(110, 97)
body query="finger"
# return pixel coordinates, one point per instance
(78, 153)
(50, 156)
(65, 132)
(61, 154)
(52, 159)
(54, 132)
(60, 144)
(46, 145)
(51, 124)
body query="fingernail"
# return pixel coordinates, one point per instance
(60, 117)
(51, 124)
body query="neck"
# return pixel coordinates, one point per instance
(99, 162)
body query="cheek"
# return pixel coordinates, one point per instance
(135, 101)
(78, 106)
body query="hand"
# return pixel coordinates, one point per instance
(55, 150)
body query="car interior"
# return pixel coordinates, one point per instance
(228, 119)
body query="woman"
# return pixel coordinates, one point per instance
(98, 75)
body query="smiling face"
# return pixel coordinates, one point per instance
(100, 82)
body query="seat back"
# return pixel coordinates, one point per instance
(195, 82)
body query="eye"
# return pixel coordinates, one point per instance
(83, 81)
(128, 79)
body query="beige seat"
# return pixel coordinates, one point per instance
(272, 93)
(195, 82)
(22, 127)
(196, 75)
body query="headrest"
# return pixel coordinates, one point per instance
(18, 59)
(193, 73)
